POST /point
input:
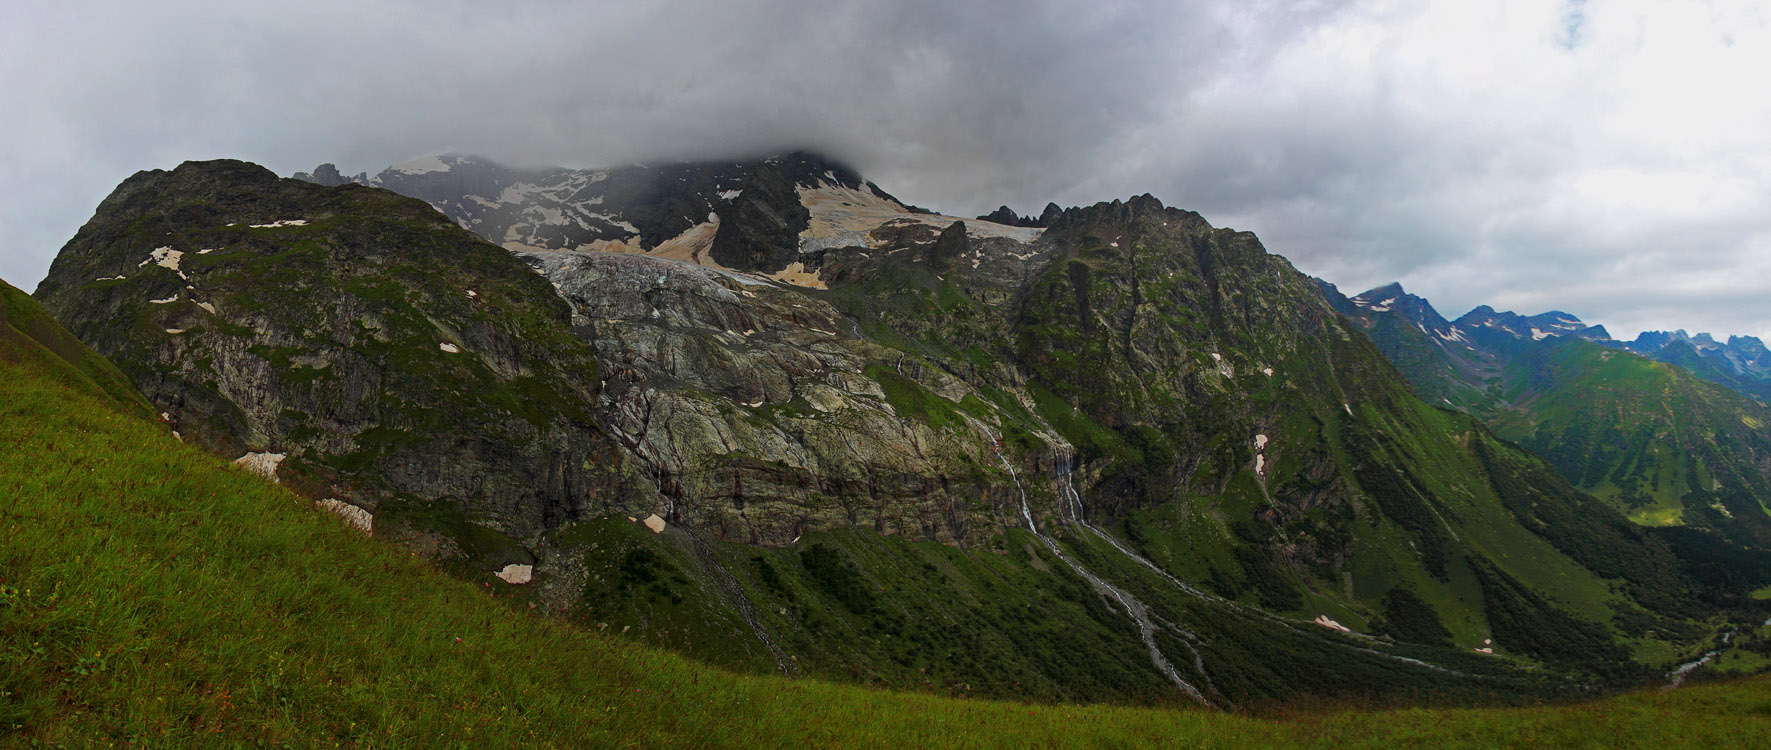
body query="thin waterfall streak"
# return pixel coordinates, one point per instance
(1134, 609)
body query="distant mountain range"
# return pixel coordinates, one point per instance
(1742, 363)
(1669, 427)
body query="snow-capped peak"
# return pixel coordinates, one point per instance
(422, 165)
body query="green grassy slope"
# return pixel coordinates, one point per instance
(1664, 446)
(1237, 433)
(154, 595)
(1659, 442)
(28, 333)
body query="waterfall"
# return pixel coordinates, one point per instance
(1134, 609)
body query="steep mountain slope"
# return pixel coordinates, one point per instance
(29, 337)
(1662, 444)
(1124, 455)
(136, 608)
(351, 343)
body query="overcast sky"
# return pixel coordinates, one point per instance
(1611, 159)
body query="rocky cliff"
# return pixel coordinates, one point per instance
(351, 343)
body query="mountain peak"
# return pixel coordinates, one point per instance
(1746, 343)
(1392, 289)
(1381, 298)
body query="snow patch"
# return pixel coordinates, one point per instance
(174, 331)
(692, 246)
(844, 216)
(1537, 335)
(1260, 442)
(1267, 371)
(264, 464)
(118, 277)
(655, 523)
(1383, 306)
(517, 575)
(424, 165)
(208, 308)
(730, 194)
(358, 518)
(165, 257)
(281, 223)
(168, 300)
(450, 348)
(1327, 622)
(796, 274)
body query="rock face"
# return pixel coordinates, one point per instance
(760, 231)
(762, 413)
(307, 325)
(949, 247)
(328, 175)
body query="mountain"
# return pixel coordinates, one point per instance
(352, 344)
(1125, 455)
(1743, 363)
(1662, 443)
(745, 216)
(158, 596)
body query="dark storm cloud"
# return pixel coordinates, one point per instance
(1537, 155)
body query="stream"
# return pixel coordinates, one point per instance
(1073, 510)
(1678, 675)
(1139, 614)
